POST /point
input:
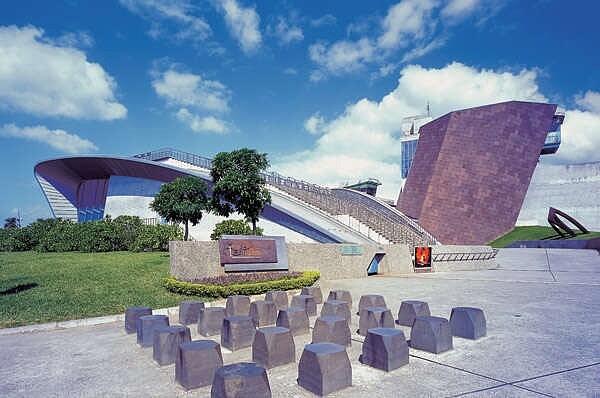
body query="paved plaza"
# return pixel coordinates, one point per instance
(543, 339)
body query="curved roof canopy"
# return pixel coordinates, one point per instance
(68, 174)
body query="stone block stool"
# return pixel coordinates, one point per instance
(166, 343)
(132, 314)
(273, 346)
(197, 363)
(411, 309)
(237, 306)
(371, 300)
(146, 326)
(468, 322)
(336, 308)
(431, 334)
(324, 368)
(188, 311)
(237, 332)
(331, 329)
(263, 313)
(241, 380)
(374, 317)
(343, 295)
(384, 349)
(210, 320)
(314, 291)
(295, 319)
(279, 297)
(306, 302)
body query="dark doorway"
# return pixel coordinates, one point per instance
(373, 268)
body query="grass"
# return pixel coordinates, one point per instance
(534, 233)
(47, 287)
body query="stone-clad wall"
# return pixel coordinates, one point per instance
(197, 259)
(327, 259)
(472, 168)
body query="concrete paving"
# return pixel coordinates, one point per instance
(543, 339)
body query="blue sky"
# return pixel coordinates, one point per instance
(321, 86)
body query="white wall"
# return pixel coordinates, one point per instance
(574, 189)
(140, 206)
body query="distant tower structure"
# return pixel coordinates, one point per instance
(410, 137)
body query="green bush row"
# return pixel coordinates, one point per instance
(233, 227)
(58, 235)
(195, 289)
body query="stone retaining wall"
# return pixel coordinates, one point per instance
(197, 259)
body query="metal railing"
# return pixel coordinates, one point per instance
(182, 156)
(487, 255)
(381, 218)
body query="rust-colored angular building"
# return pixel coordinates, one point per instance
(472, 168)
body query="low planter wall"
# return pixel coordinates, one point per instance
(198, 259)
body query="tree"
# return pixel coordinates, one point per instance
(233, 227)
(238, 183)
(11, 222)
(182, 200)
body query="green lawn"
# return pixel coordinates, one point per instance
(534, 233)
(45, 287)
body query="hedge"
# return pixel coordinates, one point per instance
(58, 235)
(196, 289)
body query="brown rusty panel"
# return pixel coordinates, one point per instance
(247, 251)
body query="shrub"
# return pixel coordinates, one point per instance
(58, 235)
(207, 290)
(156, 237)
(233, 227)
(62, 236)
(126, 229)
(12, 240)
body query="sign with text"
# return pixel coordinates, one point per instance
(352, 250)
(242, 253)
(247, 251)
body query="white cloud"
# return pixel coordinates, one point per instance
(314, 124)
(190, 93)
(406, 21)
(188, 89)
(409, 30)
(419, 51)
(364, 141)
(287, 34)
(590, 101)
(342, 56)
(580, 132)
(290, 71)
(325, 20)
(316, 76)
(45, 79)
(180, 12)
(58, 139)
(243, 24)
(72, 39)
(459, 9)
(200, 124)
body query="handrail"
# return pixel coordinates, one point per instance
(379, 206)
(182, 156)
